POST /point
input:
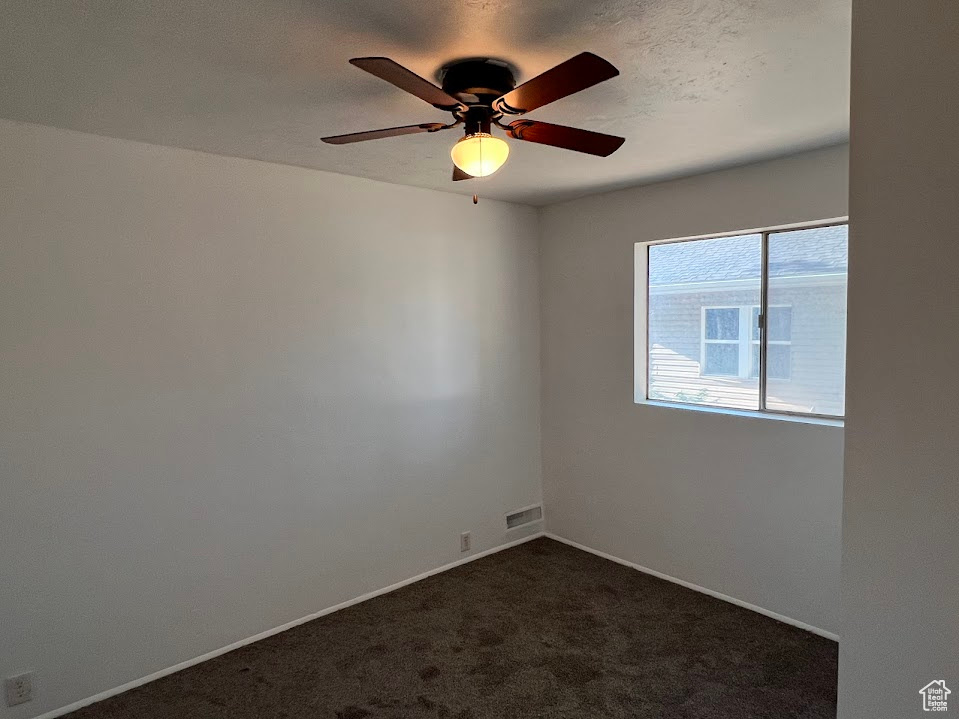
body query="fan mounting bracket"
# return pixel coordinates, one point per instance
(477, 80)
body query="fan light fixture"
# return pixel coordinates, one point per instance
(480, 154)
(482, 92)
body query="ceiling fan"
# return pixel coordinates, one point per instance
(482, 92)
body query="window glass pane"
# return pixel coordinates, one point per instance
(778, 361)
(722, 323)
(807, 275)
(721, 359)
(701, 294)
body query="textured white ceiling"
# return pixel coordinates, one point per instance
(704, 83)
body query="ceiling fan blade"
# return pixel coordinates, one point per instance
(577, 73)
(388, 132)
(458, 175)
(569, 138)
(396, 74)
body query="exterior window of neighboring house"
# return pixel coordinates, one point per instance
(732, 342)
(722, 341)
(754, 321)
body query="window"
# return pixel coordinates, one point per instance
(722, 327)
(732, 341)
(754, 321)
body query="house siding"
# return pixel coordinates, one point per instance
(817, 354)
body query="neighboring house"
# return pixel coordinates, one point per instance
(703, 308)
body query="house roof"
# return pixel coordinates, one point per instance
(740, 258)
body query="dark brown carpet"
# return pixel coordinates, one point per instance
(540, 630)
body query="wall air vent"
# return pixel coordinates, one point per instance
(526, 515)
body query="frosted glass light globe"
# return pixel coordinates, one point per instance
(480, 154)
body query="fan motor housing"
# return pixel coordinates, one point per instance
(477, 80)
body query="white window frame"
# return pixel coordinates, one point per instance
(745, 334)
(641, 324)
(745, 341)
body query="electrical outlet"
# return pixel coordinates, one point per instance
(19, 689)
(465, 542)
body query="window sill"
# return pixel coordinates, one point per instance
(755, 414)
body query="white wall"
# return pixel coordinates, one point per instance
(747, 507)
(901, 506)
(236, 393)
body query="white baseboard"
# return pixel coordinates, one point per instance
(275, 630)
(385, 590)
(697, 588)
